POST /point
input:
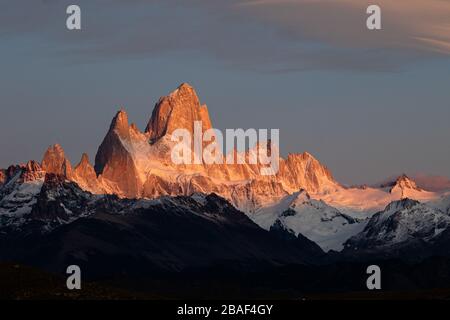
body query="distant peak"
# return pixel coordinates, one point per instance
(84, 174)
(406, 182)
(403, 184)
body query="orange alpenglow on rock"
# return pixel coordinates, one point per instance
(55, 161)
(32, 171)
(114, 161)
(84, 174)
(2, 176)
(134, 164)
(179, 110)
(138, 164)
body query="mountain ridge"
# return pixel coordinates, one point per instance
(303, 197)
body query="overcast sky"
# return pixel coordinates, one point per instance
(368, 104)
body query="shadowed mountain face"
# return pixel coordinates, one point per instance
(106, 235)
(406, 229)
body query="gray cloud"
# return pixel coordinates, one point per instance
(263, 35)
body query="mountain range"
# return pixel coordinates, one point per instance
(134, 209)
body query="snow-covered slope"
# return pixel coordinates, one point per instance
(314, 219)
(18, 194)
(365, 201)
(400, 222)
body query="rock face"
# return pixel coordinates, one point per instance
(84, 174)
(114, 162)
(134, 164)
(303, 171)
(32, 171)
(55, 161)
(29, 172)
(178, 110)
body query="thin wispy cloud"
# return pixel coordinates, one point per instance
(265, 35)
(406, 23)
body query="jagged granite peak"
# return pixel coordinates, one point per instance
(84, 161)
(23, 173)
(84, 174)
(55, 161)
(119, 123)
(180, 109)
(135, 164)
(114, 162)
(32, 171)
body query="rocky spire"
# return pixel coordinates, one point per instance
(84, 168)
(177, 110)
(119, 123)
(84, 174)
(55, 161)
(32, 171)
(114, 161)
